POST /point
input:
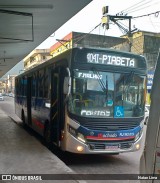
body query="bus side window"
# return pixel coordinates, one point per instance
(40, 83)
(21, 87)
(34, 85)
(25, 86)
(46, 84)
(17, 86)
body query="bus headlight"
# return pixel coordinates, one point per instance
(137, 146)
(81, 137)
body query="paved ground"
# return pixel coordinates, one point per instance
(21, 153)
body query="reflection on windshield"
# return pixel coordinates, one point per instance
(120, 95)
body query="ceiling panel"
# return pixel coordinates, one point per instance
(26, 24)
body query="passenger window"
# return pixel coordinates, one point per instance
(34, 86)
(40, 83)
(46, 84)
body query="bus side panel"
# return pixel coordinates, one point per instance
(40, 101)
(40, 114)
(28, 94)
(20, 98)
(18, 107)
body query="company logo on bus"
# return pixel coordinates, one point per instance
(125, 134)
(95, 113)
(112, 135)
(88, 75)
(91, 133)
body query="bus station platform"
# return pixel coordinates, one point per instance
(22, 153)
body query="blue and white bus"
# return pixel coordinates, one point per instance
(86, 100)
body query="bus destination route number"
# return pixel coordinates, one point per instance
(107, 59)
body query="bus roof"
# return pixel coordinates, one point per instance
(68, 53)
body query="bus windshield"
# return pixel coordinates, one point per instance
(107, 95)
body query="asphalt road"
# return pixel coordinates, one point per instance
(125, 163)
(8, 105)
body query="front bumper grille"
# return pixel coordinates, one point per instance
(111, 126)
(102, 145)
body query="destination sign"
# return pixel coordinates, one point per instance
(108, 59)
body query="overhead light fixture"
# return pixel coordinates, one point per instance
(15, 12)
(23, 14)
(4, 57)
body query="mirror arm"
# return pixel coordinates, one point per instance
(67, 85)
(68, 71)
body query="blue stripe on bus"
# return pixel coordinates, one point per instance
(117, 134)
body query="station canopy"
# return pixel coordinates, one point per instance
(26, 24)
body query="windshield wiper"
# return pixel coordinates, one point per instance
(101, 82)
(128, 80)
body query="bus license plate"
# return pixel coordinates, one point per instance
(112, 147)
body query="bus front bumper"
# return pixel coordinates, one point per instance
(97, 147)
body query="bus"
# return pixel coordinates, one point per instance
(85, 100)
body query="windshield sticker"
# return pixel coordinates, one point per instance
(95, 113)
(109, 102)
(107, 59)
(118, 112)
(87, 75)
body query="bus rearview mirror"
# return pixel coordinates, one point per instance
(67, 85)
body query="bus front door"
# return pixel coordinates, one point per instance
(56, 115)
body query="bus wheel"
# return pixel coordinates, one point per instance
(47, 136)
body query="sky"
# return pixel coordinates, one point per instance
(16, 70)
(90, 16)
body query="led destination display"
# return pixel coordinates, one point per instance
(109, 58)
